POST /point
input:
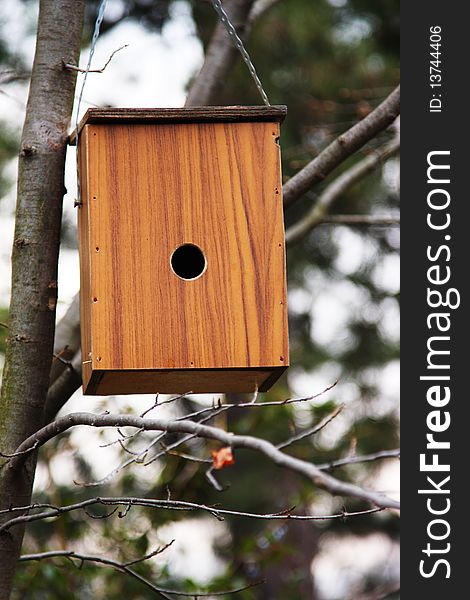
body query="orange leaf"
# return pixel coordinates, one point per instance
(222, 458)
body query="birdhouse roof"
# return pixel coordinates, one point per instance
(201, 114)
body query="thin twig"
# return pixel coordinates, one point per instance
(99, 517)
(98, 560)
(189, 457)
(10, 75)
(154, 405)
(131, 452)
(122, 438)
(149, 555)
(75, 68)
(19, 453)
(123, 514)
(313, 430)
(34, 506)
(373, 220)
(196, 595)
(213, 481)
(174, 398)
(352, 460)
(251, 404)
(65, 362)
(139, 458)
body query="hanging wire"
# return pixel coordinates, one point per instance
(219, 9)
(96, 33)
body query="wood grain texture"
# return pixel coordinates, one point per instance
(200, 114)
(149, 189)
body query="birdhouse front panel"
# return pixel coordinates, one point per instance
(182, 252)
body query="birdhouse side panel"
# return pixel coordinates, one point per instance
(260, 228)
(85, 259)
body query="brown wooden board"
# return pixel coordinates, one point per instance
(146, 190)
(202, 114)
(182, 381)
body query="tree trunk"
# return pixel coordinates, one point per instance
(35, 255)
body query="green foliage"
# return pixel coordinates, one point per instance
(8, 149)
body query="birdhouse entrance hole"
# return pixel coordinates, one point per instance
(188, 262)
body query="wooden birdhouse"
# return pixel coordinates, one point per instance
(182, 253)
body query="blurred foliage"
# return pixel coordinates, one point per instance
(331, 63)
(8, 149)
(12, 69)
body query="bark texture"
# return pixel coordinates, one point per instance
(35, 254)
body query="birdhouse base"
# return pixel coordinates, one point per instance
(165, 381)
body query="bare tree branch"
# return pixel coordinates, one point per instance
(374, 220)
(11, 75)
(207, 414)
(337, 188)
(352, 460)
(124, 568)
(345, 145)
(121, 567)
(178, 505)
(308, 470)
